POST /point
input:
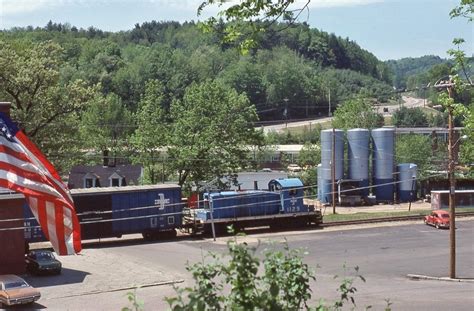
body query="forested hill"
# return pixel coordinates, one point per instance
(288, 75)
(406, 67)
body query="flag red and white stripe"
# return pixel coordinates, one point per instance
(24, 169)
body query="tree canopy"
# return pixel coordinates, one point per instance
(409, 117)
(211, 131)
(356, 113)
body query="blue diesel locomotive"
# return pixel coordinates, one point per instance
(279, 207)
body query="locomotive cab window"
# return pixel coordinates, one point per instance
(292, 192)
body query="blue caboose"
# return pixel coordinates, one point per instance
(154, 211)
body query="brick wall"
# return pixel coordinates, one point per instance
(12, 242)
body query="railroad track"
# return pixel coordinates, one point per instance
(384, 219)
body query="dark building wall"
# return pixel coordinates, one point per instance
(12, 242)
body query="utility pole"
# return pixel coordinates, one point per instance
(449, 85)
(452, 189)
(329, 97)
(333, 170)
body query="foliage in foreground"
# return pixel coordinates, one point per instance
(236, 282)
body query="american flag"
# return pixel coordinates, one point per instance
(24, 169)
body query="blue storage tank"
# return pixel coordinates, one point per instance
(383, 144)
(319, 178)
(358, 157)
(407, 182)
(326, 159)
(326, 151)
(326, 188)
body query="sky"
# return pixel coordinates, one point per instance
(390, 29)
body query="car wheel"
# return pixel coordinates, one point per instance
(437, 225)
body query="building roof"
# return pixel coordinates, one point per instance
(128, 189)
(131, 173)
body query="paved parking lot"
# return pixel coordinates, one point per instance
(98, 270)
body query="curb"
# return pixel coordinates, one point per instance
(121, 289)
(435, 278)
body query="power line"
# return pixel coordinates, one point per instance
(243, 194)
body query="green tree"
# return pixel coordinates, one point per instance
(288, 82)
(412, 148)
(244, 19)
(106, 125)
(356, 113)
(409, 117)
(45, 107)
(464, 9)
(212, 127)
(310, 155)
(467, 145)
(308, 158)
(152, 131)
(284, 283)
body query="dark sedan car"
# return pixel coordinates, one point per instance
(42, 261)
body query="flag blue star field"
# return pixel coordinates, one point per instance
(24, 169)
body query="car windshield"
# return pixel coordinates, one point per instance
(444, 216)
(15, 284)
(44, 256)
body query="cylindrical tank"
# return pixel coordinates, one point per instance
(407, 173)
(358, 157)
(326, 188)
(326, 151)
(319, 177)
(326, 159)
(383, 145)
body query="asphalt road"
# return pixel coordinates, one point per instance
(386, 110)
(384, 255)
